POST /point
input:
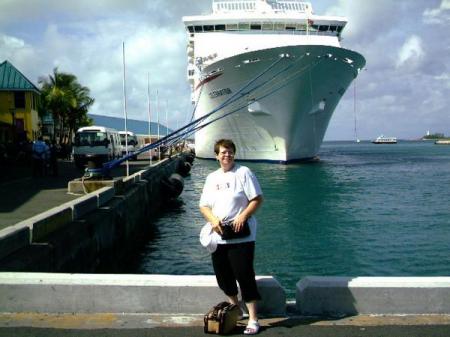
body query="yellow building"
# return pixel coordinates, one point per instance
(18, 105)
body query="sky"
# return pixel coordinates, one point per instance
(404, 90)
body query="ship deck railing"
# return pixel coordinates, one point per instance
(281, 6)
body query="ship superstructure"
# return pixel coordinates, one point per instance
(275, 69)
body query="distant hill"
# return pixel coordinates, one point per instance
(136, 126)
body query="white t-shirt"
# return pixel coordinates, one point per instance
(227, 194)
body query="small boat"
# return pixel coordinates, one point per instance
(442, 142)
(385, 140)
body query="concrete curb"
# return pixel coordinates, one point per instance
(337, 296)
(93, 293)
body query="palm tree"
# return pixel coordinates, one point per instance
(77, 113)
(67, 100)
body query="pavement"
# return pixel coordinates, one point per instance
(137, 325)
(23, 196)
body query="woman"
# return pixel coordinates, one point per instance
(233, 193)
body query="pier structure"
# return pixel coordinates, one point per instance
(94, 228)
(47, 260)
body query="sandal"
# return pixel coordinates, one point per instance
(252, 328)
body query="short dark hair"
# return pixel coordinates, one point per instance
(226, 143)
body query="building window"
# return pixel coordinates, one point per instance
(33, 101)
(19, 99)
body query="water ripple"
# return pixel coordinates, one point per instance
(363, 210)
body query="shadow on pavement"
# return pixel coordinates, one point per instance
(19, 186)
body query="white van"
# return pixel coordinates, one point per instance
(97, 144)
(145, 140)
(132, 142)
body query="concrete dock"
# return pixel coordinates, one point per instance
(23, 196)
(56, 304)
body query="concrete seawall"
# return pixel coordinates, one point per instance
(189, 294)
(96, 228)
(344, 296)
(100, 293)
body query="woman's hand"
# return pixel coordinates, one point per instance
(239, 222)
(216, 226)
(251, 208)
(212, 219)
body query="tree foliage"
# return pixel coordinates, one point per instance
(67, 101)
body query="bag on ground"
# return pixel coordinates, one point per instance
(221, 319)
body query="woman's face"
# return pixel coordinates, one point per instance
(225, 158)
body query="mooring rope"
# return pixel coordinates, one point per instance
(197, 124)
(176, 135)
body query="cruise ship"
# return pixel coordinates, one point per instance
(268, 75)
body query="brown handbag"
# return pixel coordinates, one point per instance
(221, 319)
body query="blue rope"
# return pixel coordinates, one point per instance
(257, 98)
(195, 125)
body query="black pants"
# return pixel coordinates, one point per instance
(234, 262)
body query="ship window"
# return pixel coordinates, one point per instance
(219, 27)
(232, 26)
(323, 28)
(198, 29)
(190, 29)
(301, 27)
(333, 28)
(244, 26)
(208, 28)
(255, 26)
(313, 28)
(290, 27)
(279, 26)
(340, 28)
(267, 26)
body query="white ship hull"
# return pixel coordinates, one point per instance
(285, 119)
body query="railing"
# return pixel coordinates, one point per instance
(278, 6)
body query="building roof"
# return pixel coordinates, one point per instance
(12, 79)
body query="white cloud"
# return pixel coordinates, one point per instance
(407, 68)
(411, 53)
(365, 18)
(16, 51)
(439, 15)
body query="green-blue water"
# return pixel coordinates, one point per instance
(363, 210)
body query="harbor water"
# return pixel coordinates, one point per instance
(362, 210)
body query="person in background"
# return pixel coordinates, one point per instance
(39, 153)
(54, 158)
(233, 193)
